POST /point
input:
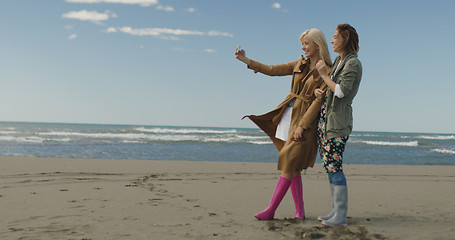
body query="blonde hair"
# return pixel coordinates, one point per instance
(318, 38)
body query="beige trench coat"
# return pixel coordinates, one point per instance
(294, 156)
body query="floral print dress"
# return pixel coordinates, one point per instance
(330, 150)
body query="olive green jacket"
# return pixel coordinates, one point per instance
(339, 121)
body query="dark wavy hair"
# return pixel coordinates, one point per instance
(350, 37)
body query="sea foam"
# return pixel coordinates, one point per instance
(433, 137)
(183, 130)
(445, 151)
(408, 144)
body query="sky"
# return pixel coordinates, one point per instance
(171, 62)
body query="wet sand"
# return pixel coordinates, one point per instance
(53, 198)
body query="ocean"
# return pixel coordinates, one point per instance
(208, 144)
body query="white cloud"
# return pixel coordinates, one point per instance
(165, 8)
(190, 10)
(72, 36)
(111, 30)
(278, 7)
(144, 3)
(218, 33)
(165, 33)
(173, 38)
(207, 50)
(138, 32)
(93, 16)
(156, 31)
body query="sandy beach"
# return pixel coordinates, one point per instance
(53, 198)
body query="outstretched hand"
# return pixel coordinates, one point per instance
(240, 54)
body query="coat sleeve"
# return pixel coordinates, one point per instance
(273, 70)
(313, 111)
(349, 74)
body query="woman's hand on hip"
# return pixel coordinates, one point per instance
(298, 134)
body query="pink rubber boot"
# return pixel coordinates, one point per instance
(280, 190)
(297, 194)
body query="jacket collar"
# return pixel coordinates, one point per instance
(338, 59)
(301, 66)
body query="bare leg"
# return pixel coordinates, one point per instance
(290, 175)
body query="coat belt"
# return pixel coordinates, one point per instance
(298, 96)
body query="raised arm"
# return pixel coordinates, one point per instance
(271, 70)
(324, 73)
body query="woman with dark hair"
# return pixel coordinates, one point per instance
(335, 122)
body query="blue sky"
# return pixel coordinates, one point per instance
(169, 62)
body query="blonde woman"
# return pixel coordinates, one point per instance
(292, 126)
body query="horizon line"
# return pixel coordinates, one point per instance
(189, 126)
